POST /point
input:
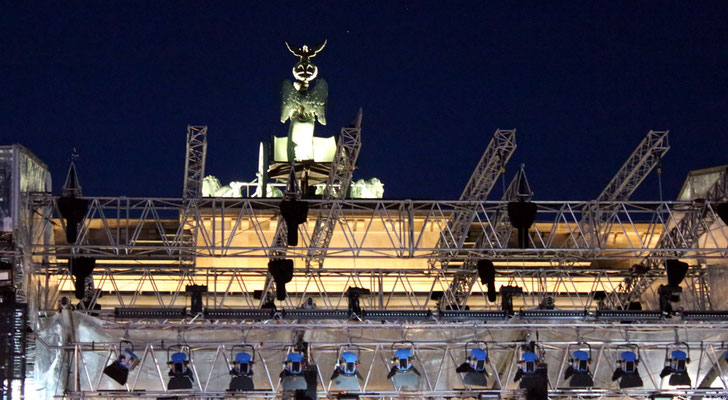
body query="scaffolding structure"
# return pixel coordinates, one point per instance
(178, 285)
(142, 287)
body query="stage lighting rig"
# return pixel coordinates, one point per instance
(507, 293)
(578, 370)
(670, 293)
(626, 371)
(125, 362)
(677, 357)
(346, 374)
(241, 369)
(532, 371)
(180, 371)
(403, 372)
(476, 360)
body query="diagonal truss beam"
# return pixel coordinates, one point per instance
(486, 173)
(684, 231)
(497, 236)
(337, 187)
(436, 360)
(148, 229)
(595, 222)
(196, 155)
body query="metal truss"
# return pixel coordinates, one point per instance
(640, 163)
(337, 187)
(486, 173)
(195, 161)
(684, 232)
(162, 288)
(435, 359)
(149, 229)
(196, 154)
(463, 281)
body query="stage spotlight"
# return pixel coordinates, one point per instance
(81, 269)
(677, 357)
(346, 374)
(294, 212)
(722, 210)
(578, 369)
(522, 215)
(127, 361)
(180, 371)
(532, 372)
(668, 294)
(507, 293)
(241, 369)
(292, 375)
(486, 272)
(282, 272)
(476, 359)
(403, 372)
(626, 371)
(73, 211)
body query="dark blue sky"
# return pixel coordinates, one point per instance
(582, 83)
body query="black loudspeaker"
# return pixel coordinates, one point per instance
(522, 214)
(282, 272)
(81, 268)
(295, 213)
(722, 210)
(486, 272)
(73, 210)
(676, 271)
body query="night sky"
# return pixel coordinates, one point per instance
(582, 83)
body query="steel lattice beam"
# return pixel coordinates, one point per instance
(149, 229)
(684, 232)
(195, 161)
(633, 172)
(337, 187)
(519, 189)
(133, 286)
(486, 173)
